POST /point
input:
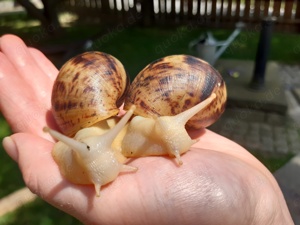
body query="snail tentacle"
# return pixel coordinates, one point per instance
(127, 168)
(188, 114)
(112, 134)
(75, 145)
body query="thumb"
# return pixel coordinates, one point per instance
(33, 155)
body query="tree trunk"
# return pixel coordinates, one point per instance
(48, 16)
(147, 12)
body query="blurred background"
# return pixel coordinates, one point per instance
(232, 34)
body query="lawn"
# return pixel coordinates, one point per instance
(11, 180)
(135, 47)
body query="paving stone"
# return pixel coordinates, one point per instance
(225, 133)
(252, 146)
(229, 124)
(279, 132)
(292, 138)
(252, 143)
(282, 148)
(239, 138)
(295, 147)
(275, 119)
(254, 126)
(267, 136)
(242, 125)
(241, 131)
(255, 116)
(292, 131)
(265, 129)
(266, 147)
(215, 128)
(253, 133)
(288, 179)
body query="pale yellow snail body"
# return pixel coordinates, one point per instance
(87, 92)
(171, 93)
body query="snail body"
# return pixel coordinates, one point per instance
(170, 94)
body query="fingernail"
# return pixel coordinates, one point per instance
(10, 147)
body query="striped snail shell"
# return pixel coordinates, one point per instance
(89, 88)
(175, 83)
(170, 94)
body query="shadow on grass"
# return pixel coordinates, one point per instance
(38, 212)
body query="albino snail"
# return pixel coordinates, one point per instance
(87, 91)
(167, 95)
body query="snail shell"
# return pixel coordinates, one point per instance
(173, 84)
(89, 88)
(171, 93)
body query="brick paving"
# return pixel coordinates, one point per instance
(263, 131)
(259, 131)
(290, 75)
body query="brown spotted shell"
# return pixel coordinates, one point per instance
(173, 84)
(89, 88)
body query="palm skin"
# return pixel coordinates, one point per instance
(219, 182)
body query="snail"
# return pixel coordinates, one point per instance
(169, 94)
(87, 92)
(90, 160)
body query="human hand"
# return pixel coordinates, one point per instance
(219, 183)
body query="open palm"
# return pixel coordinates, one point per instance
(219, 182)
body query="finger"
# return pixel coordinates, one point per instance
(18, 54)
(18, 102)
(10, 147)
(45, 65)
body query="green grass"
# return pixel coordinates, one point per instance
(11, 180)
(273, 162)
(10, 176)
(38, 212)
(135, 47)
